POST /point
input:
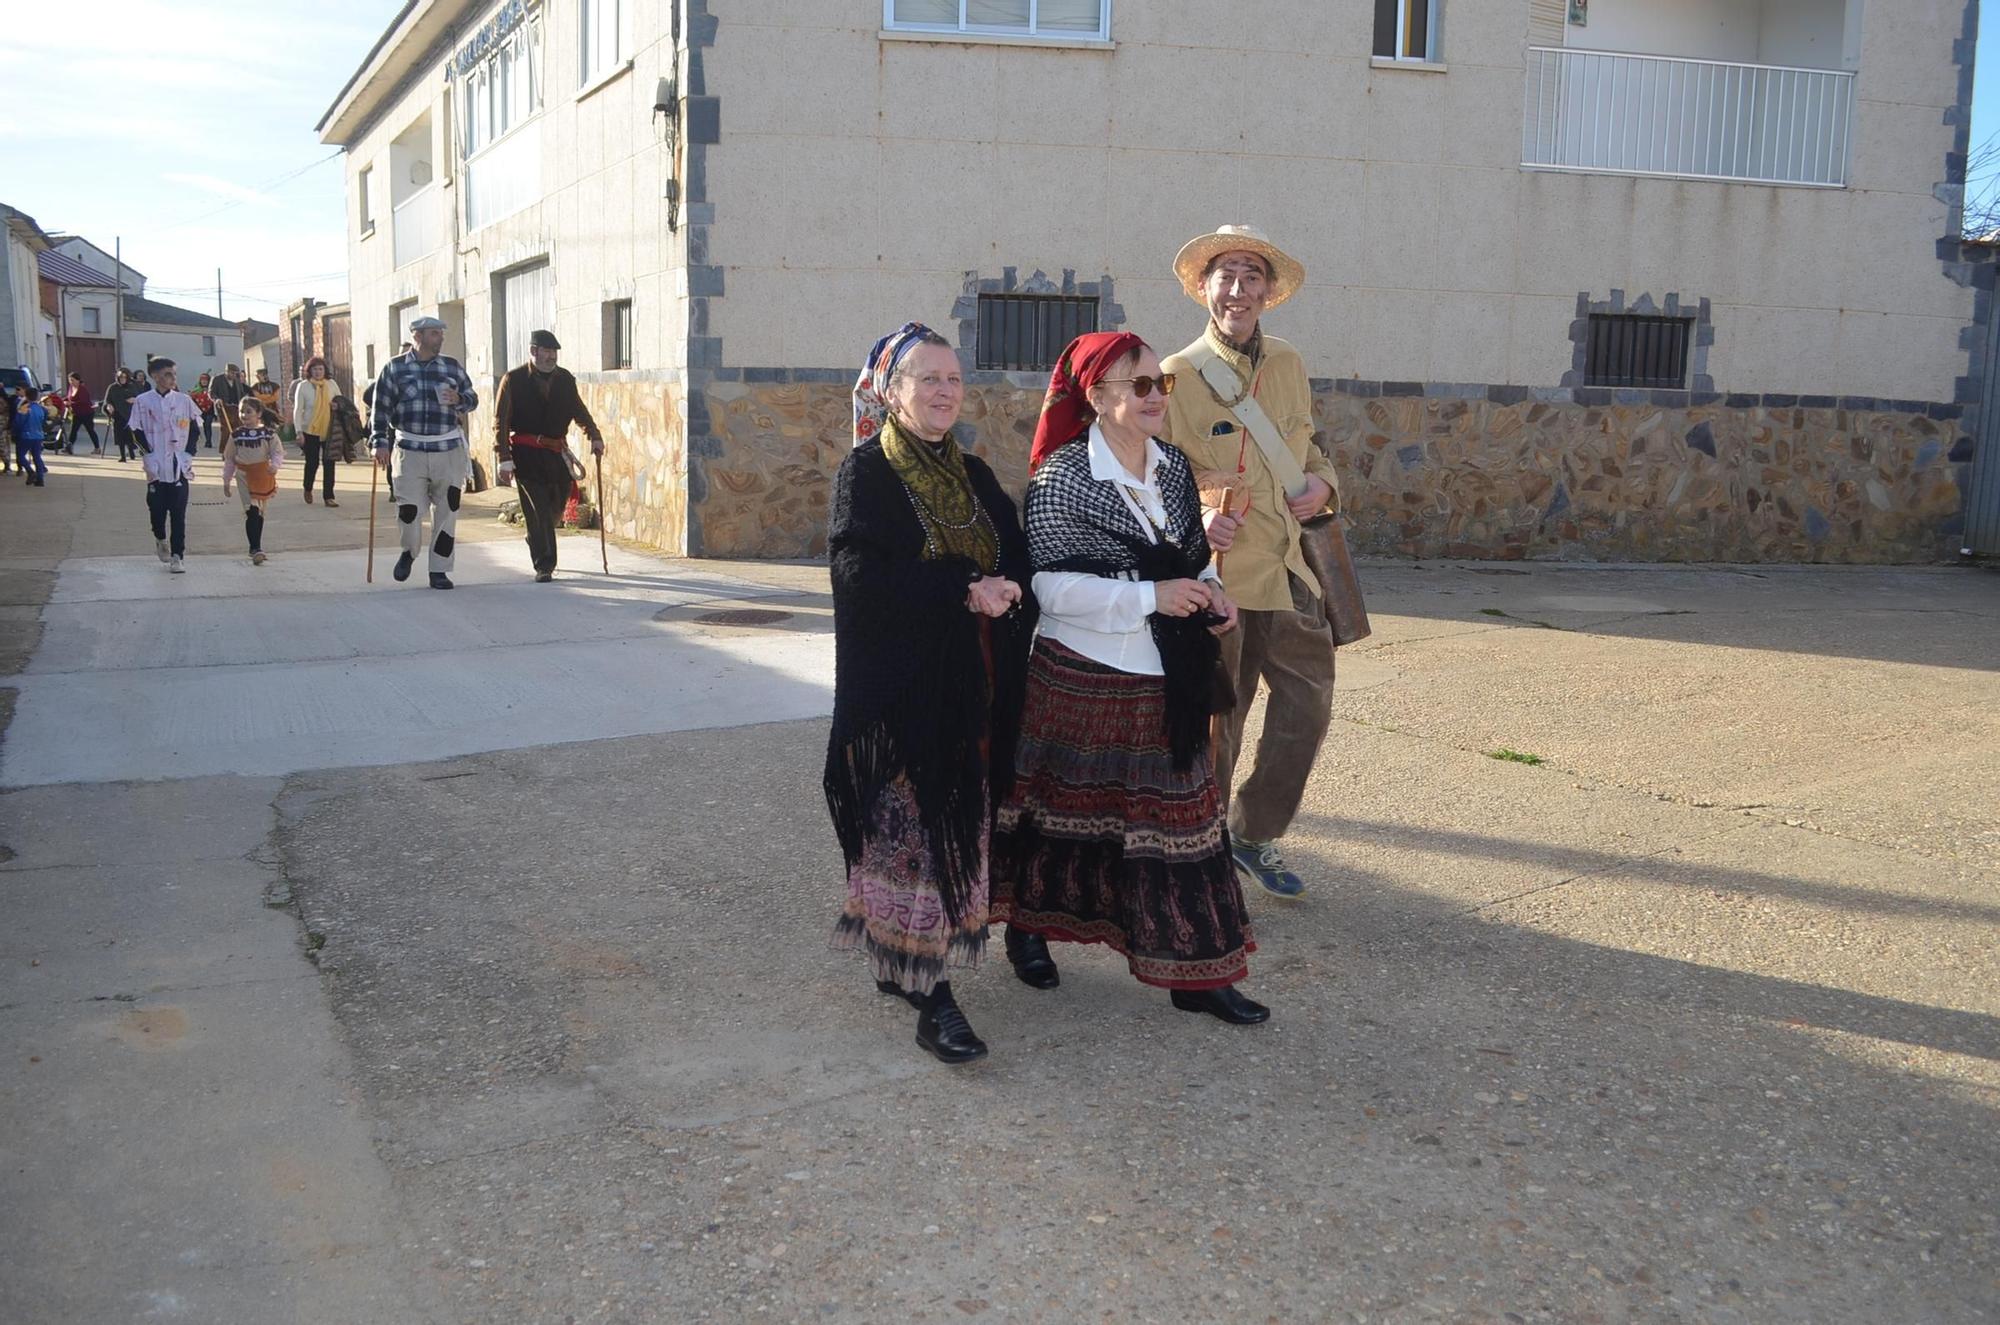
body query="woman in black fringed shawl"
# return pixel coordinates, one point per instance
(1114, 830)
(931, 635)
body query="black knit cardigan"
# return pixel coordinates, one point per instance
(911, 695)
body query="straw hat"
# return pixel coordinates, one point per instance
(1191, 263)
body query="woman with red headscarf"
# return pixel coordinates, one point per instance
(1114, 830)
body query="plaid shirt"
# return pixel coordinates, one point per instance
(406, 398)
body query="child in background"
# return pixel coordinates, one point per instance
(252, 453)
(204, 402)
(30, 428)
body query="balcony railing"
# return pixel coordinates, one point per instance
(1687, 119)
(419, 226)
(504, 177)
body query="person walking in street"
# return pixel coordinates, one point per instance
(251, 457)
(538, 402)
(118, 399)
(419, 398)
(82, 408)
(31, 419)
(931, 631)
(205, 402)
(160, 420)
(1285, 642)
(267, 393)
(228, 392)
(312, 416)
(1114, 830)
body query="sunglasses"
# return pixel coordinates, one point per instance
(1143, 386)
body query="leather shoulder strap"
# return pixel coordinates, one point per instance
(1221, 380)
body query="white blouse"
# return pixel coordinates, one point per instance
(1102, 617)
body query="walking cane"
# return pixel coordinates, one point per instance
(374, 477)
(601, 552)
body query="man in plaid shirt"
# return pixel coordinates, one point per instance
(418, 400)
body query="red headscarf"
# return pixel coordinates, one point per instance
(1066, 412)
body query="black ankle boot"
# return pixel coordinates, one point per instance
(894, 990)
(943, 1030)
(1030, 955)
(1225, 1003)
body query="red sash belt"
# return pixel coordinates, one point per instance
(555, 444)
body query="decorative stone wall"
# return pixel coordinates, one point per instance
(644, 419)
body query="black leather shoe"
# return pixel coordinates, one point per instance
(1032, 963)
(943, 1030)
(894, 990)
(403, 564)
(440, 580)
(1225, 1003)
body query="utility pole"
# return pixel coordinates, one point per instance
(218, 294)
(118, 314)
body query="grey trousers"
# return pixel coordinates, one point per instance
(1292, 654)
(433, 480)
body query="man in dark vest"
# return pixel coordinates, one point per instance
(538, 403)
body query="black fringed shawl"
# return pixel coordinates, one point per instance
(1079, 523)
(910, 692)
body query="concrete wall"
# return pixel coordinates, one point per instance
(891, 168)
(106, 304)
(183, 346)
(20, 307)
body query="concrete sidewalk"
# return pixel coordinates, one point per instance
(1694, 1019)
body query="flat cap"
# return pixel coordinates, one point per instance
(544, 340)
(427, 324)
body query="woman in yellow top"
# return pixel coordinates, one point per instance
(312, 415)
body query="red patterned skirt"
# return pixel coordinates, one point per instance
(1102, 841)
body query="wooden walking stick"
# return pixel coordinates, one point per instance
(601, 552)
(374, 477)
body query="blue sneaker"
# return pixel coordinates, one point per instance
(1260, 863)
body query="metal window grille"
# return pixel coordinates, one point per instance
(1024, 332)
(618, 334)
(1632, 349)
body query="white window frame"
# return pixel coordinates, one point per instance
(591, 71)
(365, 184)
(1433, 34)
(93, 321)
(493, 93)
(1033, 30)
(208, 347)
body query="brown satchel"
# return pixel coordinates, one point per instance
(1322, 539)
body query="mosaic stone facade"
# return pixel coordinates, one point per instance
(644, 419)
(1461, 472)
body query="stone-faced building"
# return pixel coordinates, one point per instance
(1615, 280)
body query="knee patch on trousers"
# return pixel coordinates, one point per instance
(443, 545)
(407, 514)
(451, 496)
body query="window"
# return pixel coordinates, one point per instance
(1630, 349)
(1088, 20)
(618, 333)
(1408, 29)
(208, 347)
(603, 36)
(1024, 332)
(500, 92)
(93, 324)
(364, 183)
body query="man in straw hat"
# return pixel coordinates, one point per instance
(419, 398)
(1253, 524)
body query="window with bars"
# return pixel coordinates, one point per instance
(618, 333)
(1054, 19)
(1408, 29)
(1025, 332)
(1632, 349)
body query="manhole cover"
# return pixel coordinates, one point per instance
(744, 616)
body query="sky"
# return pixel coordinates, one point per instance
(191, 139)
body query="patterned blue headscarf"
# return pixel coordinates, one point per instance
(871, 389)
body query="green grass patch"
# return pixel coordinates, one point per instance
(1514, 756)
(1491, 611)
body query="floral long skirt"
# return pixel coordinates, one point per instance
(894, 911)
(1103, 841)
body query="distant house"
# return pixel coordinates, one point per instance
(85, 305)
(197, 342)
(26, 334)
(260, 348)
